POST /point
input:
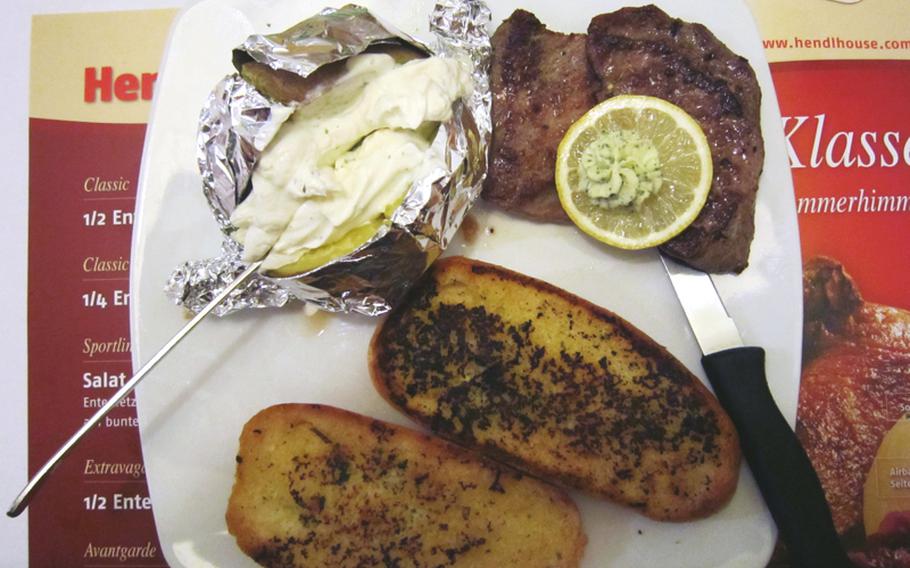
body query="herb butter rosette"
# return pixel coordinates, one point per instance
(344, 154)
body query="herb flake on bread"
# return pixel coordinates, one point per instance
(321, 486)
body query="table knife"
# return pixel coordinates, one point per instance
(784, 474)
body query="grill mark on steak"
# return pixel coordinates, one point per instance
(542, 81)
(541, 84)
(644, 51)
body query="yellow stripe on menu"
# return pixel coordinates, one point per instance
(96, 67)
(801, 30)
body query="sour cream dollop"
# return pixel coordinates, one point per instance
(343, 162)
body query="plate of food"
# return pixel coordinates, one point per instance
(536, 396)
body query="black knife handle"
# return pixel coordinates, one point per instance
(784, 474)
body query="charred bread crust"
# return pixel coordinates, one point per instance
(321, 486)
(556, 386)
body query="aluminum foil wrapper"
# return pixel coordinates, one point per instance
(237, 123)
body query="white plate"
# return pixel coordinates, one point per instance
(192, 410)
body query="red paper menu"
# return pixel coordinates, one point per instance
(841, 69)
(91, 85)
(850, 158)
(850, 154)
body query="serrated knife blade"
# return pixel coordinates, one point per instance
(782, 470)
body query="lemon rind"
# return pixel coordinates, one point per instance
(683, 121)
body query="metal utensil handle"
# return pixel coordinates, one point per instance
(781, 468)
(22, 500)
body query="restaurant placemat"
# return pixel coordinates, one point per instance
(842, 74)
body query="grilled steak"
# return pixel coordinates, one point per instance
(541, 84)
(644, 51)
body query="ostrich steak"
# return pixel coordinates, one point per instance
(543, 81)
(643, 51)
(541, 84)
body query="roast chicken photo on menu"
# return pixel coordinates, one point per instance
(853, 412)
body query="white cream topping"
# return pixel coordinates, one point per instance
(343, 159)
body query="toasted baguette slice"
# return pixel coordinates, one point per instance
(556, 386)
(318, 486)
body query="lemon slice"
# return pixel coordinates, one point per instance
(634, 171)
